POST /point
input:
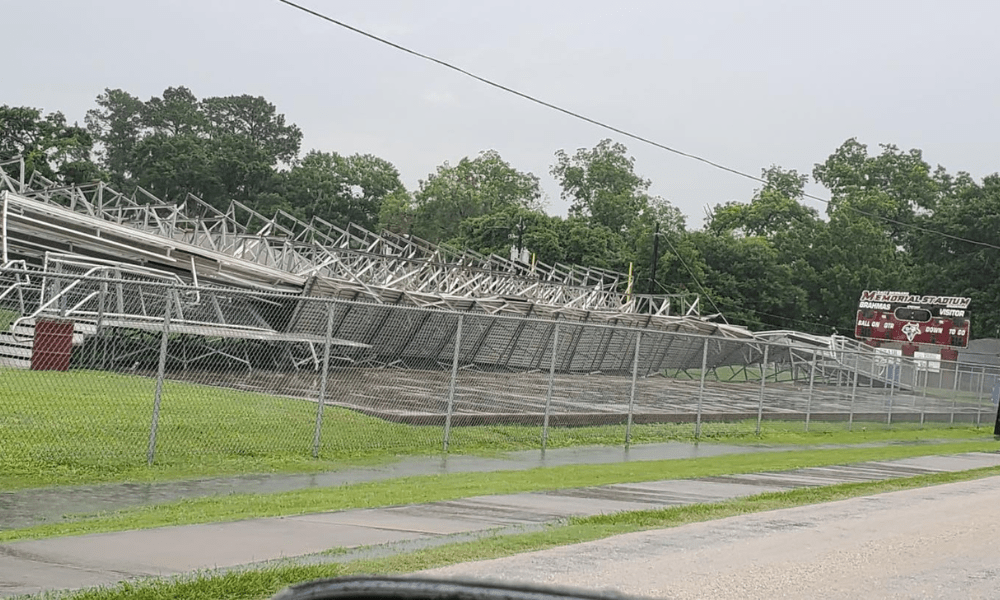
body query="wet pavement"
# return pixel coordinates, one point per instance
(101, 559)
(24, 508)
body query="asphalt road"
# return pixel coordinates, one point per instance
(939, 542)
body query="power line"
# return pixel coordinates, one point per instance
(628, 134)
(694, 277)
(739, 306)
(608, 127)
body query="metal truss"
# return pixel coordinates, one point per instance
(113, 300)
(119, 311)
(285, 253)
(834, 356)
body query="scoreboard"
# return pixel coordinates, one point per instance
(910, 319)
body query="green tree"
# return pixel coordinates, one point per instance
(498, 231)
(218, 148)
(249, 141)
(775, 208)
(172, 166)
(776, 216)
(116, 124)
(177, 112)
(602, 186)
(868, 239)
(342, 189)
(853, 254)
(396, 214)
(587, 244)
(890, 187)
(967, 212)
(48, 144)
(257, 121)
(671, 275)
(746, 281)
(472, 188)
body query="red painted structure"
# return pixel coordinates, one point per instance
(53, 345)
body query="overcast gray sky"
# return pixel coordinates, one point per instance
(744, 83)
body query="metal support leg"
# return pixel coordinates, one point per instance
(548, 394)
(631, 400)
(809, 398)
(451, 387)
(701, 390)
(321, 400)
(763, 378)
(160, 373)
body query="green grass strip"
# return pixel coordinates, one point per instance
(254, 584)
(83, 427)
(6, 318)
(413, 490)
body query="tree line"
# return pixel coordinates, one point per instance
(770, 261)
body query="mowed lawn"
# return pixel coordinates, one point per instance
(88, 427)
(82, 426)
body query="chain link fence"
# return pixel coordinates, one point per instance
(101, 367)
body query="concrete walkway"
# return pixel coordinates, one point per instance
(100, 559)
(25, 508)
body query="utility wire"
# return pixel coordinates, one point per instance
(627, 134)
(737, 305)
(695, 278)
(608, 127)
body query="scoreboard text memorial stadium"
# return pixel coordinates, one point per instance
(906, 318)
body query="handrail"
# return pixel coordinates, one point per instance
(63, 292)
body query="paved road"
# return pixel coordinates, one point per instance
(939, 542)
(100, 559)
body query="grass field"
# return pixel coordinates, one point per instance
(260, 583)
(6, 318)
(89, 427)
(410, 490)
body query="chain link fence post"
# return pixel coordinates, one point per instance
(956, 380)
(631, 399)
(854, 394)
(954, 393)
(701, 390)
(321, 400)
(888, 415)
(160, 372)
(763, 378)
(548, 394)
(923, 404)
(812, 382)
(99, 327)
(891, 374)
(979, 397)
(451, 386)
